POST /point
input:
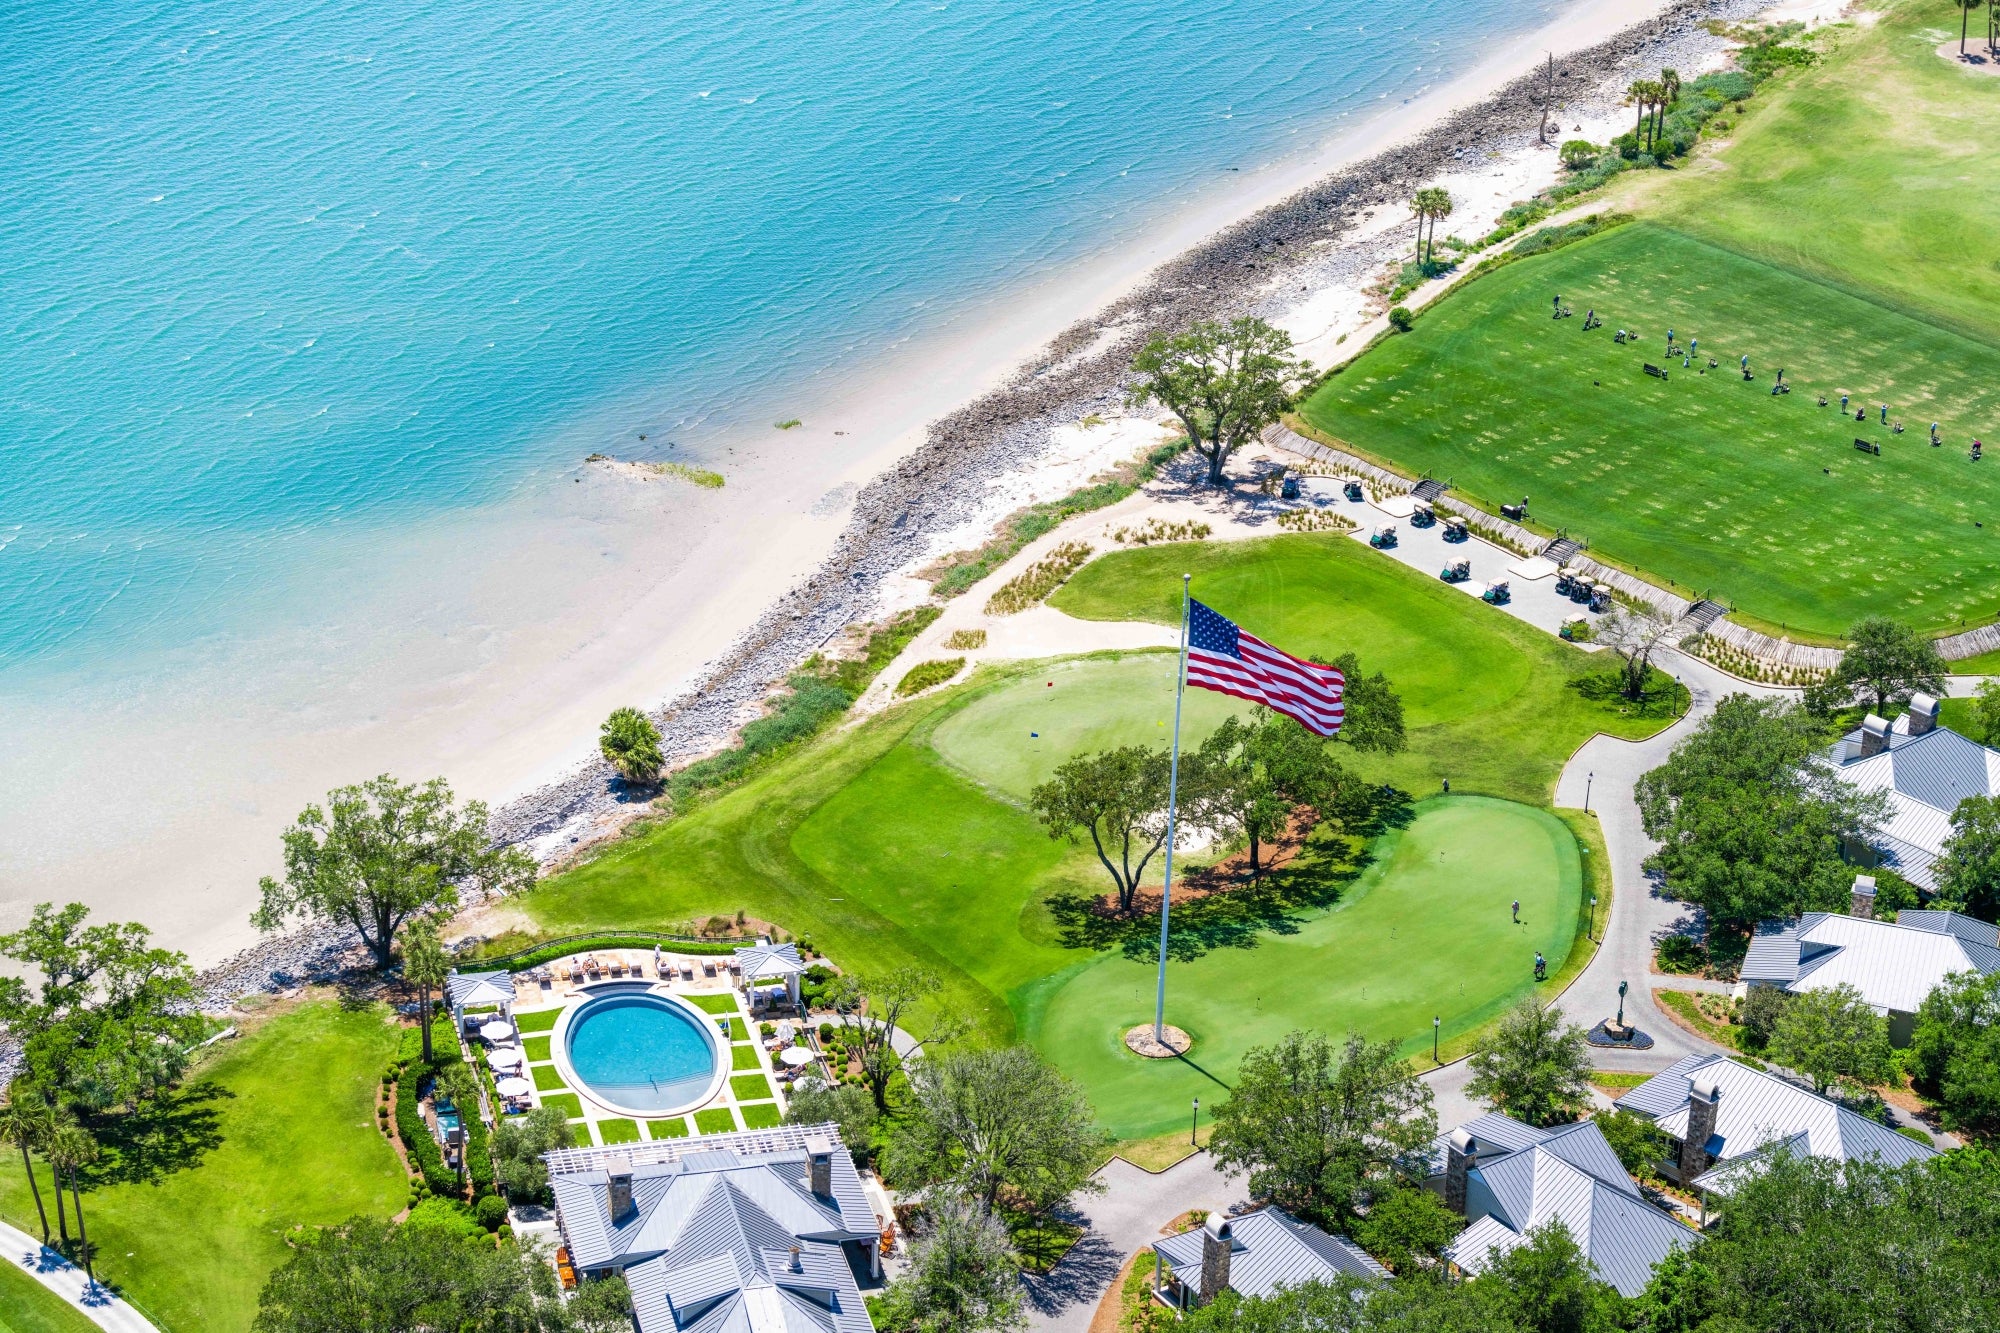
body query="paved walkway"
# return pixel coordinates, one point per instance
(1122, 1220)
(66, 1280)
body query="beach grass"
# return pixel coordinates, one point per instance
(906, 839)
(26, 1306)
(273, 1130)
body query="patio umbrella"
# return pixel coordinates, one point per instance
(796, 1056)
(513, 1086)
(507, 1057)
(498, 1030)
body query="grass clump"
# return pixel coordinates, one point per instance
(966, 639)
(924, 675)
(790, 423)
(1314, 520)
(700, 476)
(956, 573)
(1038, 580)
(1159, 530)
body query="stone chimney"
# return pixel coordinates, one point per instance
(1874, 735)
(620, 1190)
(1861, 901)
(1459, 1154)
(1216, 1244)
(1923, 714)
(819, 1159)
(1704, 1092)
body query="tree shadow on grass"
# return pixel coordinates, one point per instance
(1229, 908)
(1661, 696)
(171, 1132)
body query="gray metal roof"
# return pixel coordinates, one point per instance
(1894, 965)
(1491, 1133)
(769, 960)
(1756, 1109)
(1969, 929)
(1271, 1249)
(468, 988)
(1572, 1177)
(709, 1215)
(1926, 776)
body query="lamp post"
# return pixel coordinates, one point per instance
(1592, 932)
(1588, 778)
(1435, 1022)
(1194, 1122)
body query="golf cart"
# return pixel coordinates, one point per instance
(1576, 629)
(1458, 571)
(1600, 597)
(1565, 582)
(1289, 487)
(1454, 530)
(1423, 516)
(1579, 589)
(1497, 594)
(1352, 490)
(1383, 537)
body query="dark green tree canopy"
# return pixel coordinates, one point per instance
(1225, 382)
(1118, 799)
(1955, 1048)
(378, 854)
(1968, 874)
(103, 1016)
(1828, 1034)
(1533, 1066)
(1751, 817)
(1886, 662)
(1323, 1131)
(961, 1275)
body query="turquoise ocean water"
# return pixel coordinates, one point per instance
(267, 268)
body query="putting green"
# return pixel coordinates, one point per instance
(1427, 930)
(1013, 737)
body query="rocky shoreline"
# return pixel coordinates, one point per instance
(1081, 371)
(1241, 270)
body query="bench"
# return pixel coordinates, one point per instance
(1868, 447)
(1655, 371)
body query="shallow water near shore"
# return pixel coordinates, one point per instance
(309, 315)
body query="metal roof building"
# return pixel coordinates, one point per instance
(1894, 964)
(1570, 1175)
(1926, 771)
(1737, 1114)
(764, 1231)
(1254, 1255)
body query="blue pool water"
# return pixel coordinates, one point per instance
(270, 269)
(641, 1052)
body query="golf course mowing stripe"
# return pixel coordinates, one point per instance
(1427, 930)
(1707, 479)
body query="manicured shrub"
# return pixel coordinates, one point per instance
(1401, 320)
(1681, 953)
(491, 1212)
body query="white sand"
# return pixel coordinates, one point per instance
(519, 626)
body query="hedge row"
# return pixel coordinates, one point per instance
(419, 1143)
(548, 953)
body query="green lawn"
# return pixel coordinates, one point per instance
(274, 1130)
(617, 1131)
(904, 839)
(26, 1306)
(1759, 501)
(715, 1120)
(1848, 233)
(1427, 930)
(762, 1115)
(744, 1057)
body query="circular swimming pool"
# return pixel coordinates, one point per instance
(641, 1053)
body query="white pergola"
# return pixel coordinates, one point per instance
(473, 990)
(767, 963)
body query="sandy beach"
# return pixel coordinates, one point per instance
(651, 591)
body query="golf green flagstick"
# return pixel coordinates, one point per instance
(1173, 808)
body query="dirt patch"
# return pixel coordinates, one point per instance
(1978, 58)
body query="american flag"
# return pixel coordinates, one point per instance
(1221, 657)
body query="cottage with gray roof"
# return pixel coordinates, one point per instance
(1725, 1118)
(1926, 771)
(1257, 1254)
(1511, 1179)
(765, 1231)
(1894, 964)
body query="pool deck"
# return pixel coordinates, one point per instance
(752, 1096)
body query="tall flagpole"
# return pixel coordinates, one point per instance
(1173, 810)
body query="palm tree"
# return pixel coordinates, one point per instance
(1965, 21)
(1641, 93)
(70, 1148)
(1440, 207)
(1669, 85)
(425, 966)
(26, 1122)
(1420, 204)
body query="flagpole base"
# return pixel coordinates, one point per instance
(1142, 1042)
